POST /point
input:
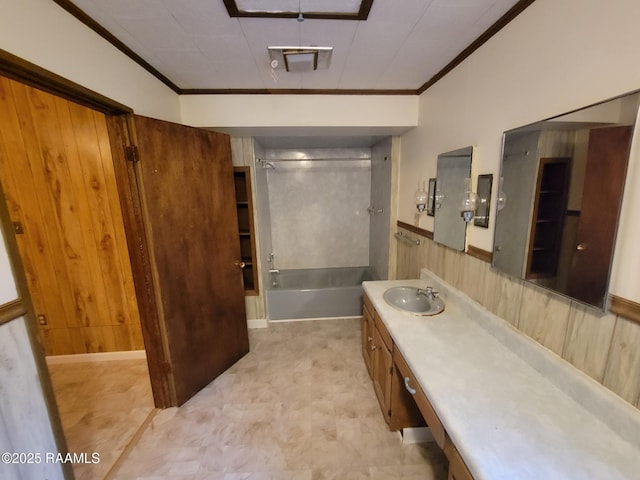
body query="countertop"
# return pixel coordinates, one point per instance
(513, 409)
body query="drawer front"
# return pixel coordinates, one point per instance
(429, 414)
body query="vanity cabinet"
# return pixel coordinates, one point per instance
(398, 409)
(382, 367)
(410, 384)
(367, 334)
(457, 468)
(402, 400)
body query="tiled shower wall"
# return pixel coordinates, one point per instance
(318, 210)
(381, 167)
(604, 346)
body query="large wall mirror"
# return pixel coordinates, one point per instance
(563, 179)
(453, 169)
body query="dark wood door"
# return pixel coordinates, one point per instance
(607, 155)
(187, 234)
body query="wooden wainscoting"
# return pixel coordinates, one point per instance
(57, 174)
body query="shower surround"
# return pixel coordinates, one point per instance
(318, 200)
(323, 216)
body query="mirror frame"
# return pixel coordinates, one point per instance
(431, 197)
(449, 228)
(484, 187)
(603, 304)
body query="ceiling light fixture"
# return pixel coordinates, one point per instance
(325, 10)
(300, 59)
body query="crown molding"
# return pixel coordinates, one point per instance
(502, 22)
(366, 5)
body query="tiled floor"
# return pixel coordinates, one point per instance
(300, 405)
(101, 406)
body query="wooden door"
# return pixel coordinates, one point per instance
(180, 210)
(607, 155)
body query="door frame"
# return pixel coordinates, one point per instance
(18, 69)
(122, 137)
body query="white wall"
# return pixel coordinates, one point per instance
(394, 113)
(557, 56)
(41, 32)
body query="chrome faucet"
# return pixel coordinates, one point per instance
(428, 292)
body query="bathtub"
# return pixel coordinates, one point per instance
(316, 292)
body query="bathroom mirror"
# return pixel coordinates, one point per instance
(483, 190)
(563, 180)
(453, 169)
(431, 197)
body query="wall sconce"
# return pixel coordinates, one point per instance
(468, 202)
(421, 197)
(502, 197)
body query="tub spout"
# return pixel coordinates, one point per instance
(274, 276)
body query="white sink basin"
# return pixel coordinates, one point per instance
(415, 301)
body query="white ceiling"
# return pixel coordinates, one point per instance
(196, 45)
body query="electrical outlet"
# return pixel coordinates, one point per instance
(42, 320)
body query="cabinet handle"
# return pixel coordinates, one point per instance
(369, 339)
(412, 391)
(373, 347)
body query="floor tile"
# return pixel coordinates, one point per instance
(299, 406)
(101, 405)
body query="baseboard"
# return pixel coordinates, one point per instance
(417, 435)
(97, 357)
(257, 323)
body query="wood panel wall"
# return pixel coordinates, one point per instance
(604, 346)
(57, 173)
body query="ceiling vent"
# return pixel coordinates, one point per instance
(300, 59)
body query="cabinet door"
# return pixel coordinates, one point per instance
(457, 468)
(382, 371)
(367, 340)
